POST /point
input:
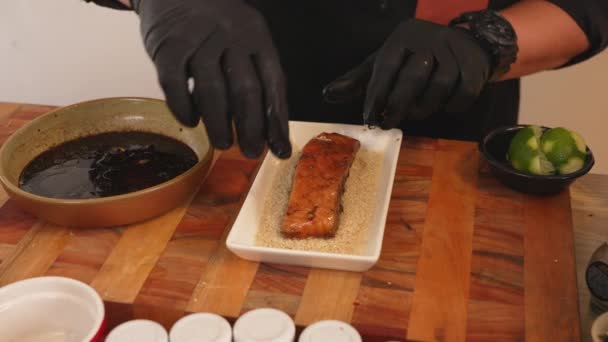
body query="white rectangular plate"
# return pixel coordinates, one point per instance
(241, 239)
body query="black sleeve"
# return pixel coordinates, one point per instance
(592, 17)
(110, 3)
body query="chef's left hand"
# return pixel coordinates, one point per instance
(422, 68)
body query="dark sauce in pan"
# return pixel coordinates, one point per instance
(106, 164)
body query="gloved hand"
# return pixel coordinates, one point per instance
(225, 47)
(421, 68)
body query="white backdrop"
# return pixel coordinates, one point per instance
(63, 51)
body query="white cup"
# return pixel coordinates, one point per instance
(201, 327)
(138, 330)
(269, 325)
(330, 330)
(51, 309)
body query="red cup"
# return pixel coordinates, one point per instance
(51, 309)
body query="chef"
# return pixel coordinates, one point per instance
(436, 68)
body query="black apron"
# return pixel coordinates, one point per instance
(319, 40)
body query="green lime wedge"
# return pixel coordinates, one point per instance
(565, 149)
(525, 153)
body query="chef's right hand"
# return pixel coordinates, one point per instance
(225, 47)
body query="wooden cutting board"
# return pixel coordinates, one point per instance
(464, 258)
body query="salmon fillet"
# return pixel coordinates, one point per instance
(314, 203)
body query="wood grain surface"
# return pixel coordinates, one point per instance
(590, 217)
(463, 257)
(548, 272)
(439, 305)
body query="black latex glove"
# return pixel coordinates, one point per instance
(226, 48)
(421, 68)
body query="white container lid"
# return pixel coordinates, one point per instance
(268, 325)
(201, 327)
(330, 330)
(137, 331)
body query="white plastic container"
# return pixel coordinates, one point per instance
(201, 327)
(138, 330)
(268, 325)
(330, 330)
(241, 239)
(48, 309)
(599, 328)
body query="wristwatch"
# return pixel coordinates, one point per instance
(110, 4)
(495, 35)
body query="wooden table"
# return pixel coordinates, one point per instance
(463, 258)
(589, 197)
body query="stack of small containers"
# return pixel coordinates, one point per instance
(268, 325)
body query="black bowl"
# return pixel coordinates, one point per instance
(494, 148)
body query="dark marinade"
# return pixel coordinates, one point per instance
(106, 164)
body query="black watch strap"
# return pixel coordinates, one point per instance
(495, 35)
(110, 4)
(135, 5)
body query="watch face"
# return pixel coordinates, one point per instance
(505, 35)
(495, 35)
(597, 280)
(496, 29)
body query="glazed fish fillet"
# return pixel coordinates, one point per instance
(315, 201)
